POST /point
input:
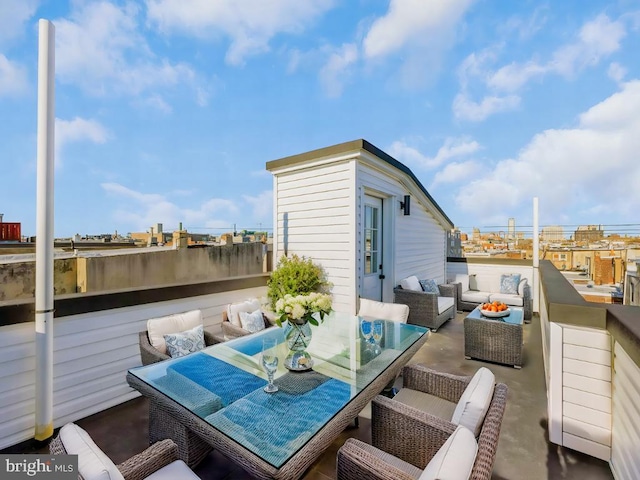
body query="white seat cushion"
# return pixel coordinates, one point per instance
(444, 303)
(411, 283)
(455, 459)
(93, 464)
(425, 402)
(474, 402)
(234, 309)
(373, 310)
(508, 298)
(177, 470)
(474, 296)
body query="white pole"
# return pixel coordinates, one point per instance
(536, 236)
(44, 232)
(536, 257)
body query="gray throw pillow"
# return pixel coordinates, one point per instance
(509, 283)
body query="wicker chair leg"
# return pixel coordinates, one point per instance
(191, 448)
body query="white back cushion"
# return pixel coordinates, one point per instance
(157, 328)
(454, 460)
(411, 283)
(396, 312)
(234, 309)
(475, 400)
(463, 279)
(93, 464)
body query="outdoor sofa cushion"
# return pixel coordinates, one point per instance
(455, 459)
(445, 303)
(158, 327)
(234, 309)
(252, 322)
(474, 402)
(430, 286)
(372, 309)
(411, 283)
(184, 343)
(93, 464)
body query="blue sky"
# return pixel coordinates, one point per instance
(168, 110)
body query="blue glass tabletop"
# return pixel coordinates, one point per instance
(223, 384)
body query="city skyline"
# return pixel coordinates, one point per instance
(167, 111)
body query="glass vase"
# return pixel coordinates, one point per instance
(298, 337)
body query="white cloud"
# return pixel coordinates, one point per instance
(417, 33)
(413, 21)
(100, 48)
(77, 130)
(452, 148)
(262, 206)
(250, 24)
(13, 15)
(457, 172)
(466, 109)
(138, 211)
(13, 77)
(335, 73)
(569, 169)
(616, 72)
(596, 40)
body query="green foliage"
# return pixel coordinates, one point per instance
(295, 275)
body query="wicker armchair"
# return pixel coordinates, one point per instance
(415, 436)
(231, 331)
(423, 306)
(162, 455)
(359, 461)
(149, 354)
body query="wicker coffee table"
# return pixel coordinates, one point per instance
(215, 399)
(494, 339)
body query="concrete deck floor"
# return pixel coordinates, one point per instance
(523, 451)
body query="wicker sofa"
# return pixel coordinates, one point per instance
(474, 289)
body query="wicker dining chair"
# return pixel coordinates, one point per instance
(358, 460)
(160, 460)
(414, 436)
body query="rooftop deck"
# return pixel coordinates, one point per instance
(523, 452)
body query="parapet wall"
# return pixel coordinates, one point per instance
(135, 270)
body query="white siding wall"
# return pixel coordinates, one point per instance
(625, 460)
(419, 241)
(580, 389)
(92, 353)
(315, 213)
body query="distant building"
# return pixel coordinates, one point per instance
(552, 233)
(454, 243)
(511, 229)
(588, 233)
(9, 232)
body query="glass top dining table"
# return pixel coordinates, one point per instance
(219, 391)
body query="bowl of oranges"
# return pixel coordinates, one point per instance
(494, 309)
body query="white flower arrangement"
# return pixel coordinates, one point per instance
(302, 307)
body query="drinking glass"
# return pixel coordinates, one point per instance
(378, 329)
(270, 362)
(366, 329)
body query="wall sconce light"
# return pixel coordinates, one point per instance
(406, 205)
